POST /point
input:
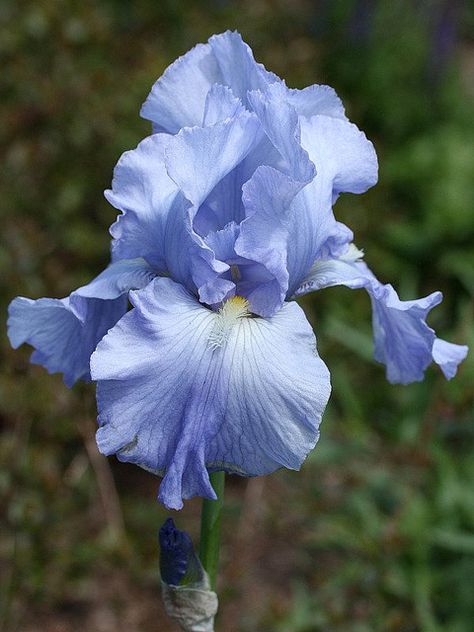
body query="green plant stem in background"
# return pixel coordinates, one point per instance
(210, 528)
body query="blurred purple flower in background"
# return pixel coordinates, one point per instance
(226, 215)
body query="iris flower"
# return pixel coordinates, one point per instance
(226, 216)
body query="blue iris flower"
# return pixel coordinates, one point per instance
(226, 216)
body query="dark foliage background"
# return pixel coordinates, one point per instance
(376, 532)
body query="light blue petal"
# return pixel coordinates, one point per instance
(65, 331)
(222, 242)
(145, 194)
(284, 231)
(313, 223)
(156, 223)
(175, 404)
(277, 108)
(178, 98)
(336, 242)
(237, 65)
(250, 279)
(224, 203)
(345, 162)
(117, 279)
(221, 104)
(403, 340)
(332, 272)
(198, 158)
(341, 152)
(316, 99)
(448, 356)
(202, 160)
(63, 337)
(263, 236)
(281, 124)
(189, 259)
(215, 291)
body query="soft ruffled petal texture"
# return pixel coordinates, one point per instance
(179, 96)
(119, 277)
(342, 152)
(280, 121)
(221, 104)
(316, 99)
(64, 336)
(263, 236)
(403, 340)
(156, 222)
(198, 158)
(224, 203)
(232, 199)
(217, 168)
(237, 65)
(345, 162)
(143, 191)
(290, 222)
(66, 331)
(173, 403)
(448, 356)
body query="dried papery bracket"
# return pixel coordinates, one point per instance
(192, 607)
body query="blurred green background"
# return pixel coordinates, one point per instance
(376, 532)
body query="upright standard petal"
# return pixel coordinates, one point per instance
(183, 390)
(178, 98)
(345, 162)
(224, 203)
(143, 191)
(276, 205)
(198, 158)
(403, 340)
(340, 150)
(237, 65)
(64, 336)
(221, 104)
(263, 236)
(296, 209)
(282, 127)
(316, 99)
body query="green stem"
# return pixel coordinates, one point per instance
(210, 527)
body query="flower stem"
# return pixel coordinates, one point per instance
(210, 527)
